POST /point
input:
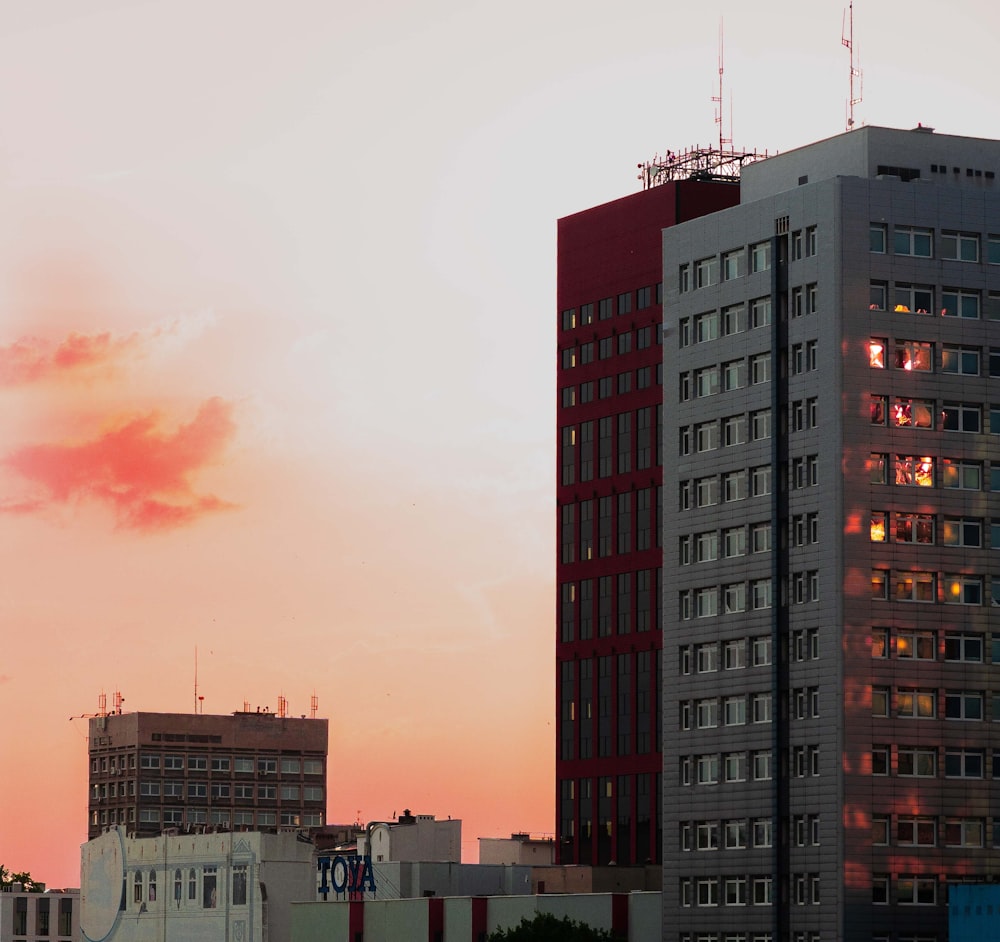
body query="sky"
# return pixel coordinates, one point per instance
(277, 353)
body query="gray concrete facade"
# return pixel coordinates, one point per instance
(797, 591)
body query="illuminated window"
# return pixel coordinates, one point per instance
(914, 471)
(919, 645)
(880, 701)
(914, 528)
(876, 353)
(878, 527)
(911, 413)
(880, 642)
(916, 704)
(880, 583)
(918, 299)
(963, 590)
(915, 587)
(914, 355)
(916, 763)
(964, 475)
(962, 531)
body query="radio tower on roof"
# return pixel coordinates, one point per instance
(847, 39)
(719, 114)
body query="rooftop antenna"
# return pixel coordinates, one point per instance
(847, 39)
(314, 706)
(282, 706)
(718, 99)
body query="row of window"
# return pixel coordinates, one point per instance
(725, 433)
(239, 764)
(217, 817)
(919, 356)
(923, 644)
(728, 543)
(710, 712)
(623, 603)
(224, 790)
(625, 523)
(906, 412)
(732, 319)
(736, 654)
(711, 769)
(730, 486)
(607, 347)
(923, 703)
(905, 527)
(902, 297)
(925, 761)
(704, 602)
(741, 833)
(203, 892)
(738, 262)
(735, 891)
(918, 471)
(907, 830)
(624, 442)
(606, 386)
(729, 376)
(918, 241)
(932, 587)
(608, 307)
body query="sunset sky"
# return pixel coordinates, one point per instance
(277, 353)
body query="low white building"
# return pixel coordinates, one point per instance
(520, 848)
(193, 887)
(413, 838)
(51, 916)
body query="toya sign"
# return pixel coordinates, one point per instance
(351, 875)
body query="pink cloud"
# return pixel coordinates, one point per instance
(141, 471)
(32, 360)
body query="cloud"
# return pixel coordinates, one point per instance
(32, 359)
(141, 471)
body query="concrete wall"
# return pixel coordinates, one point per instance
(33, 905)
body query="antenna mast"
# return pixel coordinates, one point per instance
(847, 39)
(719, 114)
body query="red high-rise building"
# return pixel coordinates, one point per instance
(609, 492)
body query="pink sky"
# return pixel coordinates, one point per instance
(277, 324)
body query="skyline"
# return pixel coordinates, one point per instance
(277, 356)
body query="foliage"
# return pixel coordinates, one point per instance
(22, 877)
(547, 928)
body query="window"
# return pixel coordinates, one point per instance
(964, 475)
(910, 240)
(761, 832)
(762, 765)
(963, 590)
(707, 658)
(876, 353)
(734, 655)
(760, 425)
(734, 264)
(880, 762)
(734, 542)
(963, 705)
(761, 593)
(914, 528)
(760, 312)
(916, 891)
(878, 531)
(209, 898)
(911, 413)
(761, 650)
(913, 762)
(963, 832)
(220, 764)
(914, 831)
(760, 368)
(760, 257)
(707, 892)
(760, 708)
(708, 774)
(918, 299)
(877, 291)
(706, 272)
(735, 711)
(963, 647)
(735, 891)
(734, 430)
(707, 491)
(733, 319)
(916, 704)
(604, 309)
(962, 417)
(919, 645)
(964, 304)
(880, 642)
(706, 381)
(961, 531)
(239, 891)
(914, 587)
(880, 701)
(736, 831)
(914, 471)
(706, 602)
(880, 829)
(732, 375)
(960, 246)
(735, 597)
(734, 486)
(707, 436)
(963, 763)
(760, 539)
(760, 479)
(707, 713)
(914, 355)
(880, 583)
(961, 360)
(877, 238)
(706, 327)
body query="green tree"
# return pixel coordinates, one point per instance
(24, 878)
(547, 928)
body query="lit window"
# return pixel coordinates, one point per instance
(878, 527)
(916, 704)
(919, 645)
(876, 353)
(918, 299)
(963, 590)
(962, 531)
(880, 642)
(914, 528)
(915, 587)
(964, 475)
(912, 413)
(914, 355)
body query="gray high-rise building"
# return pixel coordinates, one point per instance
(831, 533)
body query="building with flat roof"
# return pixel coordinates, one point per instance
(52, 916)
(831, 523)
(608, 495)
(246, 771)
